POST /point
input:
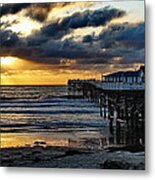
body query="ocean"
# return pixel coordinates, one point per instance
(32, 114)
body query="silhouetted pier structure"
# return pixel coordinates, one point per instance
(121, 99)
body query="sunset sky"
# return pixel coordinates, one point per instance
(49, 43)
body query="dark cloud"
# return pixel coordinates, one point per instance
(8, 38)
(49, 37)
(87, 39)
(117, 44)
(53, 49)
(12, 8)
(127, 56)
(133, 56)
(70, 50)
(37, 11)
(80, 20)
(93, 18)
(40, 11)
(36, 40)
(125, 41)
(54, 30)
(46, 50)
(127, 35)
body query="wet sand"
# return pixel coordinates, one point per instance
(66, 157)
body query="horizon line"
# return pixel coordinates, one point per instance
(33, 84)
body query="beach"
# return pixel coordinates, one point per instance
(41, 127)
(60, 157)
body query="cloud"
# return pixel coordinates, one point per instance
(66, 49)
(7, 24)
(87, 39)
(128, 35)
(12, 8)
(87, 18)
(47, 42)
(46, 50)
(40, 11)
(93, 18)
(53, 51)
(116, 44)
(124, 41)
(37, 11)
(8, 38)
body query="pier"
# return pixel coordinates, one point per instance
(120, 97)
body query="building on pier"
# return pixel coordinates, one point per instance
(126, 76)
(124, 80)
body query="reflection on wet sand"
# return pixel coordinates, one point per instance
(9, 140)
(94, 139)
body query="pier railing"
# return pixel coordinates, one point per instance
(118, 85)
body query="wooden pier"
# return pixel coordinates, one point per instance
(122, 105)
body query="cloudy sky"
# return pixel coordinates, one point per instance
(49, 43)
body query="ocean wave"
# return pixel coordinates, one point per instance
(35, 111)
(47, 103)
(54, 125)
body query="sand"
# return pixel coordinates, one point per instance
(64, 157)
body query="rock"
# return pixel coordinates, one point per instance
(37, 159)
(72, 152)
(110, 164)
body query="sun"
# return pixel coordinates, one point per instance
(7, 61)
